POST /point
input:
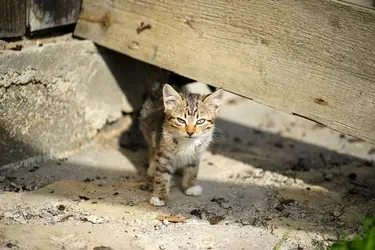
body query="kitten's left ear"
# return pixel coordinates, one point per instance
(213, 100)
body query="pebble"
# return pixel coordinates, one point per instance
(166, 222)
(337, 213)
(245, 222)
(289, 182)
(225, 205)
(94, 219)
(20, 219)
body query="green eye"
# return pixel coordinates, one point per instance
(201, 121)
(181, 120)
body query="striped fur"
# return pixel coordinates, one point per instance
(178, 128)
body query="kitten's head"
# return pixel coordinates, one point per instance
(190, 115)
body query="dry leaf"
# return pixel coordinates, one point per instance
(172, 218)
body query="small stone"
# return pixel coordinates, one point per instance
(2, 178)
(289, 182)
(279, 207)
(245, 222)
(215, 219)
(19, 219)
(10, 245)
(337, 213)
(61, 207)
(286, 201)
(102, 248)
(85, 198)
(94, 219)
(166, 222)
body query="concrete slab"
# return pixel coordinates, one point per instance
(271, 179)
(55, 94)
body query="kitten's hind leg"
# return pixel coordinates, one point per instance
(189, 180)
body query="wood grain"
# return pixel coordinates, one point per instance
(12, 18)
(45, 14)
(312, 58)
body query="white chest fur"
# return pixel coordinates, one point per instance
(188, 151)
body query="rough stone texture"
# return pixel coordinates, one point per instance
(55, 97)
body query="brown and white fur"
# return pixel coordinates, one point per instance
(178, 128)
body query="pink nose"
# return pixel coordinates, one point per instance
(190, 133)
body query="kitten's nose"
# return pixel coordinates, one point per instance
(189, 133)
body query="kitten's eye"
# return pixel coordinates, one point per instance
(201, 121)
(181, 120)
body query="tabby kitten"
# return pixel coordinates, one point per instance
(178, 128)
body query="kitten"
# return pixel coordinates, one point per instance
(178, 128)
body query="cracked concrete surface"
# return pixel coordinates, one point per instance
(55, 95)
(269, 179)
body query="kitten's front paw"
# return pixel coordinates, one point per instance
(157, 202)
(194, 190)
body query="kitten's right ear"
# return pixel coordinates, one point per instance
(170, 97)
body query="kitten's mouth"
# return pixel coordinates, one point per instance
(190, 137)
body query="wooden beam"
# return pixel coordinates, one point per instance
(363, 3)
(45, 14)
(312, 58)
(12, 18)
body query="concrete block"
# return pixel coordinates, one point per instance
(54, 98)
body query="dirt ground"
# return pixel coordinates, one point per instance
(270, 181)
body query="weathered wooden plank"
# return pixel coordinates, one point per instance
(363, 3)
(312, 58)
(45, 14)
(12, 18)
